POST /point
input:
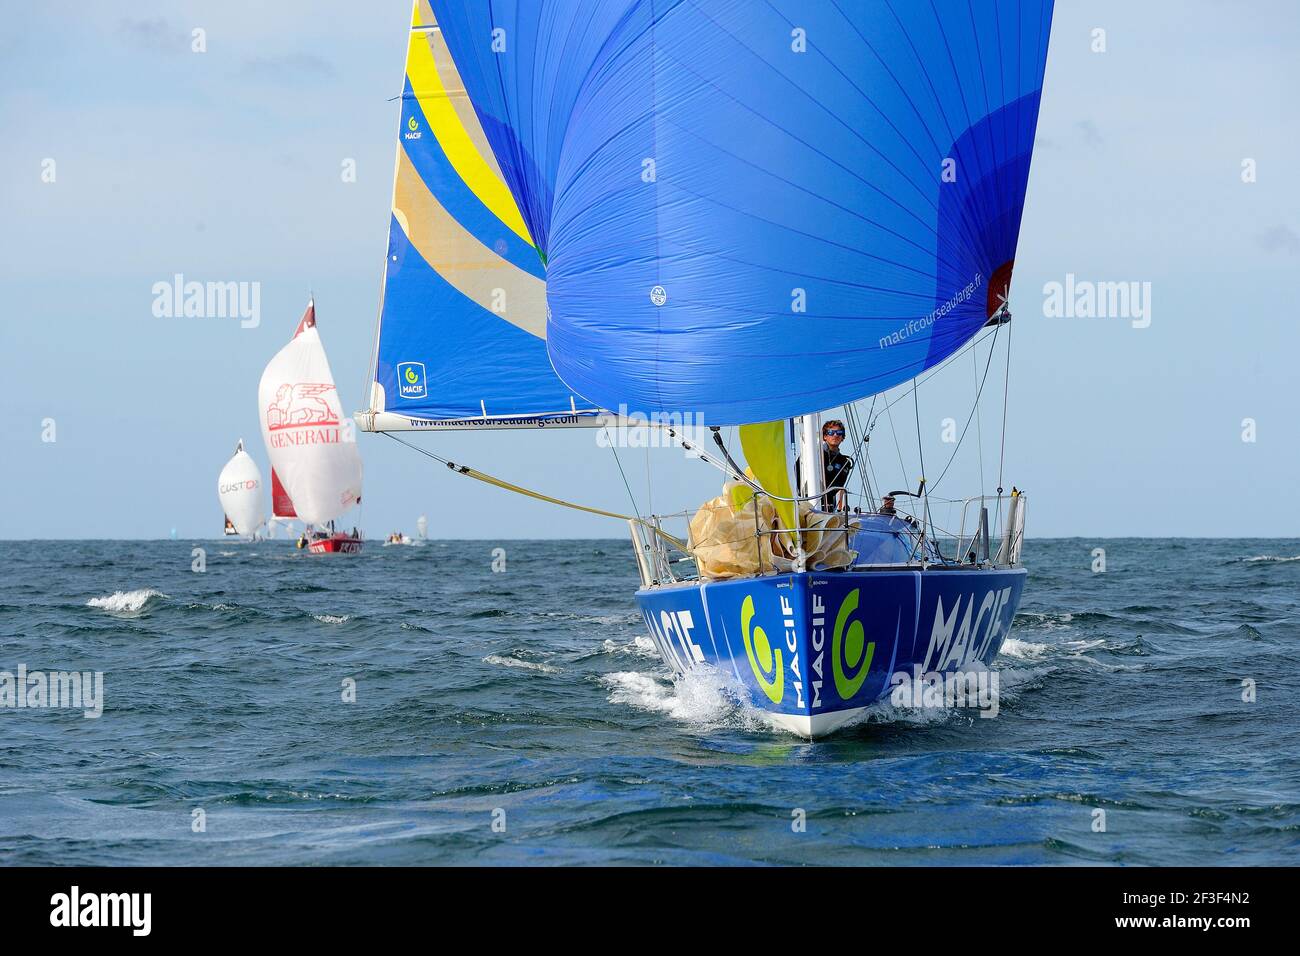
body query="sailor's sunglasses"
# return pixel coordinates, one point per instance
(833, 431)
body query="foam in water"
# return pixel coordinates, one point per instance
(128, 601)
(331, 618)
(516, 662)
(1025, 650)
(640, 646)
(1270, 558)
(1049, 622)
(705, 697)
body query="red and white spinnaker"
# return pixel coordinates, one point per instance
(311, 443)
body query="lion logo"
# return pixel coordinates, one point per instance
(303, 404)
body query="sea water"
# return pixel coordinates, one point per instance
(490, 702)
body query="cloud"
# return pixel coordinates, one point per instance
(288, 68)
(1279, 238)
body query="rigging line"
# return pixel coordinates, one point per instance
(851, 413)
(862, 451)
(875, 479)
(855, 431)
(935, 370)
(966, 427)
(630, 497)
(898, 447)
(517, 489)
(979, 424)
(920, 451)
(1006, 388)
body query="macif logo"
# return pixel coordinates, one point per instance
(103, 909)
(410, 380)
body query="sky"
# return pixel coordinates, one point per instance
(225, 165)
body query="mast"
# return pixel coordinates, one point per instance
(812, 466)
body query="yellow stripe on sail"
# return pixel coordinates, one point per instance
(452, 136)
(495, 284)
(764, 447)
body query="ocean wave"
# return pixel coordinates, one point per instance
(1047, 622)
(332, 618)
(1025, 650)
(506, 661)
(1011, 683)
(1270, 558)
(640, 646)
(220, 606)
(627, 617)
(125, 601)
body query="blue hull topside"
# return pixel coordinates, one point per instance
(813, 649)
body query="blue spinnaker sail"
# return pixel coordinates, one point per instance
(462, 327)
(752, 210)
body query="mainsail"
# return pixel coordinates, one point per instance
(748, 211)
(461, 339)
(312, 446)
(239, 487)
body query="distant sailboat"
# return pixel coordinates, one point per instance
(239, 488)
(692, 216)
(316, 468)
(422, 528)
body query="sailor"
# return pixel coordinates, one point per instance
(837, 466)
(887, 505)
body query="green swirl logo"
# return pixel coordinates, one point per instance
(759, 651)
(847, 653)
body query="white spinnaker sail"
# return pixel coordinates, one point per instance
(312, 446)
(240, 489)
(422, 527)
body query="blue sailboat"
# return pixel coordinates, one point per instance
(732, 214)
